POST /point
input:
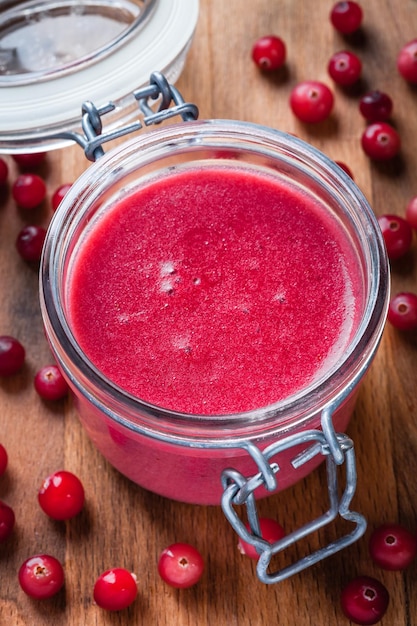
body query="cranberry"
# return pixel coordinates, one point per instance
(180, 565)
(61, 495)
(397, 234)
(50, 383)
(7, 520)
(4, 171)
(380, 141)
(411, 212)
(311, 101)
(27, 161)
(3, 459)
(407, 61)
(271, 531)
(364, 600)
(345, 68)
(12, 355)
(376, 106)
(345, 168)
(29, 190)
(269, 53)
(346, 17)
(392, 547)
(402, 311)
(115, 589)
(59, 194)
(41, 576)
(29, 242)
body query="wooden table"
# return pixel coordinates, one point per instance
(122, 525)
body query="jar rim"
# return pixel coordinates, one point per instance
(200, 135)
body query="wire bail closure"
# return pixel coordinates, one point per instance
(338, 450)
(170, 104)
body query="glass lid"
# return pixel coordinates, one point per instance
(57, 54)
(39, 40)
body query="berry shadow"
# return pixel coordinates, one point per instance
(4, 194)
(56, 407)
(407, 338)
(277, 77)
(404, 266)
(78, 526)
(17, 383)
(391, 168)
(412, 88)
(355, 91)
(7, 484)
(32, 266)
(326, 129)
(45, 169)
(359, 39)
(42, 169)
(34, 216)
(50, 609)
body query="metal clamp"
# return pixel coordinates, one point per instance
(239, 490)
(169, 101)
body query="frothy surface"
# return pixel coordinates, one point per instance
(214, 291)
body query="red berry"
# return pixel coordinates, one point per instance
(364, 600)
(41, 576)
(4, 171)
(380, 141)
(7, 520)
(59, 194)
(402, 311)
(271, 531)
(393, 547)
(411, 212)
(345, 168)
(29, 242)
(50, 383)
(269, 53)
(115, 589)
(346, 17)
(311, 101)
(180, 565)
(376, 106)
(61, 495)
(407, 61)
(27, 161)
(12, 355)
(28, 190)
(397, 234)
(345, 68)
(3, 459)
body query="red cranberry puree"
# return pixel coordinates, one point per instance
(215, 290)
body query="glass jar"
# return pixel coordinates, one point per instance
(183, 456)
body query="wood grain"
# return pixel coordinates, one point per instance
(122, 525)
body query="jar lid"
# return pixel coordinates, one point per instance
(54, 56)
